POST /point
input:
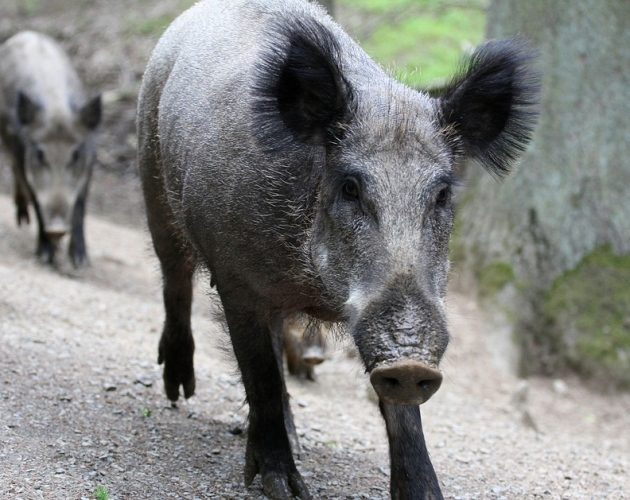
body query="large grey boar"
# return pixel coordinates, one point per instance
(48, 124)
(277, 155)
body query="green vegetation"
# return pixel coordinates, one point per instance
(101, 493)
(589, 307)
(155, 26)
(28, 7)
(146, 412)
(422, 40)
(493, 278)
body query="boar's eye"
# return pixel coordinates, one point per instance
(76, 154)
(350, 189)
(443, 197)
(41, 156)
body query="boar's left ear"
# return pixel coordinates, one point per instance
(27, 109)
(490, 110)
(301, 92)
(90, 113)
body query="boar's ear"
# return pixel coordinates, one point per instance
(27, 109)
(90, 113)
(301, 93)
(489, 111)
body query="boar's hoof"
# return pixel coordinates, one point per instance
(22, 215)
(178, 367)
(405, 382)
(45, 251)
(277, 485)
(78, 256)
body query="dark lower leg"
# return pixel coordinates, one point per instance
(268, 444)
(21, 203)
(45, 248)
(177, 346)
(279, 339)
(77, 250)
(412, 474)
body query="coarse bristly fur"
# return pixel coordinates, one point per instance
(492, 105)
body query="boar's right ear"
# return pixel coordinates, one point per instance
(490, 110)
(301, 92)
(90, 113)
(27, 109)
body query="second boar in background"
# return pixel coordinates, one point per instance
(48, 125)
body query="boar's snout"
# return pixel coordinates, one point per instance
(56, 229)
(405, 382)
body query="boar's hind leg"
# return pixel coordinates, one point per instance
(412, 474)
(77, 250)
(268, 446)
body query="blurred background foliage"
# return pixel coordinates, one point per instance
(420, 41)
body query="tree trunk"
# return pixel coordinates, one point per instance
(551, 244)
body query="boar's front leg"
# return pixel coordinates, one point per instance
(412, 474)
(21, 197)
(268, 445)
(77, 250)
(46, 249)
(177, 346)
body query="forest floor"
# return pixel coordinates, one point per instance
(81, 396)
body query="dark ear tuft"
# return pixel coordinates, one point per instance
(490, 109)
(300, 91)
(90, 113)
(27, 109)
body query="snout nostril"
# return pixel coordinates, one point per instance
(405, 382)
(391, 381)
(427, 385)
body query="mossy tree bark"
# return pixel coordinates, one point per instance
(550, 241)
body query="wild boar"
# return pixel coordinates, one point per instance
(48, 125)
(277, 155)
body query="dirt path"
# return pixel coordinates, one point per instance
(81, 398)
(81, 402)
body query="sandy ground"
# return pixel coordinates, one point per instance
(82, 405)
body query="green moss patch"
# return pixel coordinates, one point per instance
(589, 308)
(493, 277)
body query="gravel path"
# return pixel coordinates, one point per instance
(81, 401)
(81, 398)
